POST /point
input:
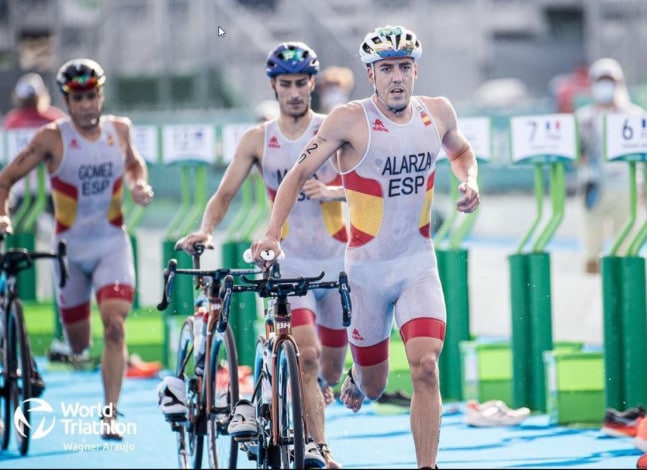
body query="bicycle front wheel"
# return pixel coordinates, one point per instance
(289, 414)
(222, 449)
(19, 371)
(189, 439)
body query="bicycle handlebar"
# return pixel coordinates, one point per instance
(15, 260)
(216, 275)
(297, 286)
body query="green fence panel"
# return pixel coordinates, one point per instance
(610, 269)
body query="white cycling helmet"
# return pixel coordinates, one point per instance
(389, 42)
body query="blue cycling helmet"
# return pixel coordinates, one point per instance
(292, 57)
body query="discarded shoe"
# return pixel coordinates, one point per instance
(493, 413)
(138, 368)
(622, 423)
(640, 441)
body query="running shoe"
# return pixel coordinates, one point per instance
(243, 423)
(640, 441)
(493, 413)
(622, 423)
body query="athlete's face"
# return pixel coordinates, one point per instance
(85, 107)
(393, 80)
(294, 93)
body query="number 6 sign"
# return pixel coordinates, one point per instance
(625, 137)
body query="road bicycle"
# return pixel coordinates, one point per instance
(17, 361)
(212, 394)
(277, 396)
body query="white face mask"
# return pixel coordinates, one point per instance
(332, 97)
(603, 91)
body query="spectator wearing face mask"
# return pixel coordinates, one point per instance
(604, 186)
(334, 87)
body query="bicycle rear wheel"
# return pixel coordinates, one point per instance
(19, 372)
(290, 425)
(189, 439)
(222, 449)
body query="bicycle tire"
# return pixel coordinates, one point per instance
(262, 448)
(222, 449)
(190, 442)
(290, 425)
(19, 360)
(5, 402)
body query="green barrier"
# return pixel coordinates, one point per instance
(193, 196)
(520, 329)
(453, 268)
(531, 293)
(244, 314)
(453, 271)
(541, 335)
(624, 306)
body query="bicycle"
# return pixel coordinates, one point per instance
(212, 395)
(17, 361)
(282, 431)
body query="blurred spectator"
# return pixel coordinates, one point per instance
(334, 87)
(32, 104)
(32, 109)
(568, 88)
(267, 110)
(603, 185)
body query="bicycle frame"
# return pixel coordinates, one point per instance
(278, 333)
(205, 419)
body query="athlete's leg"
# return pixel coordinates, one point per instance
(113, 359)
(368, 377)
(334, 343)
(426, 403)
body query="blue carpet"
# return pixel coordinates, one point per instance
(376, 437)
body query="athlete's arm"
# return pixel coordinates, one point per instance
(38, 150)
(247, 154)
(461, 156)
(136, 171)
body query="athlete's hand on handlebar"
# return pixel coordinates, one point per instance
(264, 252)
(187, 242)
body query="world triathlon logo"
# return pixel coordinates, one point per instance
(41, 418)
(36, 418)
